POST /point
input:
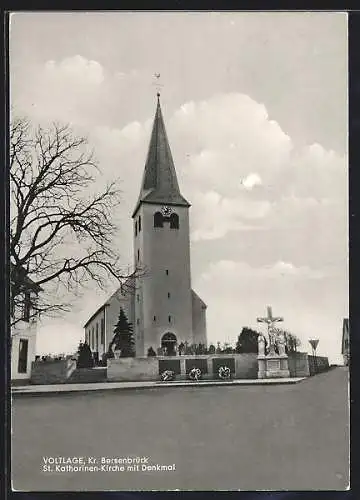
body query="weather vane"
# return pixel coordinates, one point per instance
(157, 83)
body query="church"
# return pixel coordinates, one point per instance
(160, 303)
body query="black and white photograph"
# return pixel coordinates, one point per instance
(179, 314)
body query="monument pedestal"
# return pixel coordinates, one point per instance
(273, 366)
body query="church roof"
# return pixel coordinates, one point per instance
(196, 297)
(125, 290)
(159, 183)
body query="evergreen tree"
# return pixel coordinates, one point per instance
(123, 339)
(247, 341)
(85, 357)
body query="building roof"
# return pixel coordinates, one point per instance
(19, 274)
(159, 183)
(197, 298)
(125, 290)
(101, 308)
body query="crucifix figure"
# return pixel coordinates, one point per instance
(270, 320)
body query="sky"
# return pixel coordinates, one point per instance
(255, 106)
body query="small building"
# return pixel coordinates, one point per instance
(24, 322)
(345, 344)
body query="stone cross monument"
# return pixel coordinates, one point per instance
(270, 320)
(272, 364)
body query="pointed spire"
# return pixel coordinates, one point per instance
(159, 183)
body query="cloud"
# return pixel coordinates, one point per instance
(251, 181)
(215, 143)
(229, 137)
(287, 229)
(214, 216)
(75, 70)
(229, 270)
(311, 301)
(234, 123)
(64, 90)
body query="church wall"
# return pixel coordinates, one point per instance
(199, 320)
(95, 340)
(106, 318)
(161, 250)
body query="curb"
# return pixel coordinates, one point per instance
(84, 388)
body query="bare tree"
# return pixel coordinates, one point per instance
(292, 342)
(61, 230)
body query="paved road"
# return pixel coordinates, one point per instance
(278, 437)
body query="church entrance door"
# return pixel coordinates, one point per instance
(168, 343)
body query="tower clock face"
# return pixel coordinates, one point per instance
(166, 210)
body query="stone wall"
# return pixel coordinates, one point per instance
(298, 364)
(131, 369)
(52, 372)
(87, 376)
(303, 365)
(246, 365)
(242, 366)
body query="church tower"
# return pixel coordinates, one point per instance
(164, 301)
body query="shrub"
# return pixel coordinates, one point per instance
(151, 352)
(85, 357)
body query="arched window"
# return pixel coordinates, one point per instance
(158, 220)
(174, 221)
(135, 228)
(139, 223)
